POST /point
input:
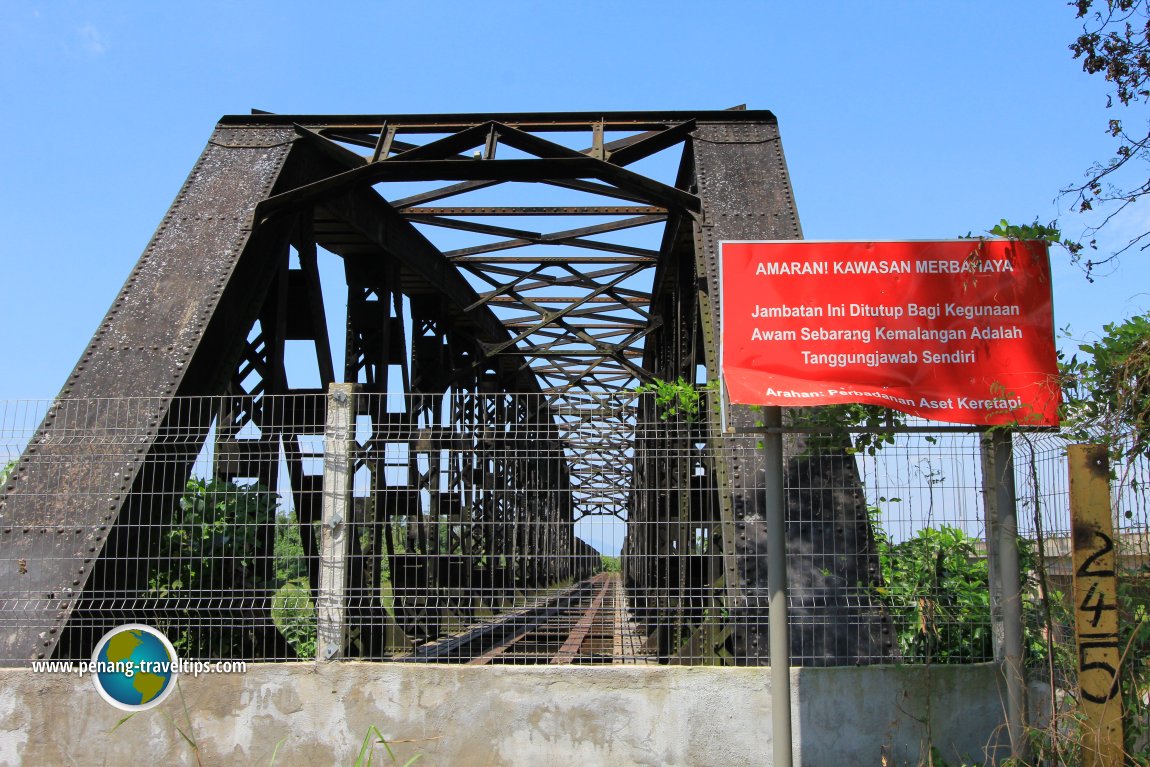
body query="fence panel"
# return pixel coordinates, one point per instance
(509, 528)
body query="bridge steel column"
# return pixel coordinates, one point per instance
(742, 182)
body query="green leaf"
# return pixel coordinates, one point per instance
(276, 750)
(126, 718)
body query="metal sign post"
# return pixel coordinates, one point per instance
(777, 589)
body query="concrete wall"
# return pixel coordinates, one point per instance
(460, 716)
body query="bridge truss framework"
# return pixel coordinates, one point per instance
(511, 279)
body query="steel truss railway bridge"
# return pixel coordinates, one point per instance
(511, 279)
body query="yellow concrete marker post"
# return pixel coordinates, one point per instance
(1096, 606)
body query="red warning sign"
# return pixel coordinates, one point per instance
(955, 330)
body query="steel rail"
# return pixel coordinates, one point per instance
(571, 646)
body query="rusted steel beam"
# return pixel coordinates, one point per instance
(611, 148)
(420, 163)
(444, 148)
(441, 194)
(538, 237)
(532, 121)
(573, 278)
(572, 343)
(525, 210)
(652, 144)
(495, 247)
(383, 144)
(629, 301)
(538, 353)
(555, 317)
(615, 324)
(486, 170)
(572, 257)
(372, 219)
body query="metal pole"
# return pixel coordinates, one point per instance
(777, 588)
(1005, 549)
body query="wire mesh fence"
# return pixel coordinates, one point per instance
(507, 528)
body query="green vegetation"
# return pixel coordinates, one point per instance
(292, 608)
(612, 564)
(936, 587)
(1049, 233)
(1106, 392)
(294, 615)
(218, 543)
(215, 545)
(937, 590)
(1106, 383)
(290, 561)
(1134, 640)
(676, 398)
(831, 427)
(1106, 400)
(375, 738)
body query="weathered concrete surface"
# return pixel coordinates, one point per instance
(461, 716)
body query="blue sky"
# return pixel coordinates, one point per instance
(900, 120)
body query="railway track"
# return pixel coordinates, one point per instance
(583, 624)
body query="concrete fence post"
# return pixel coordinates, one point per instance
(1005, 578)
(331, 601)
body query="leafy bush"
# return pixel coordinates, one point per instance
(214, 550)
(936, 588)
(294, 614)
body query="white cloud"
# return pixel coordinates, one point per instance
(91, 41)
